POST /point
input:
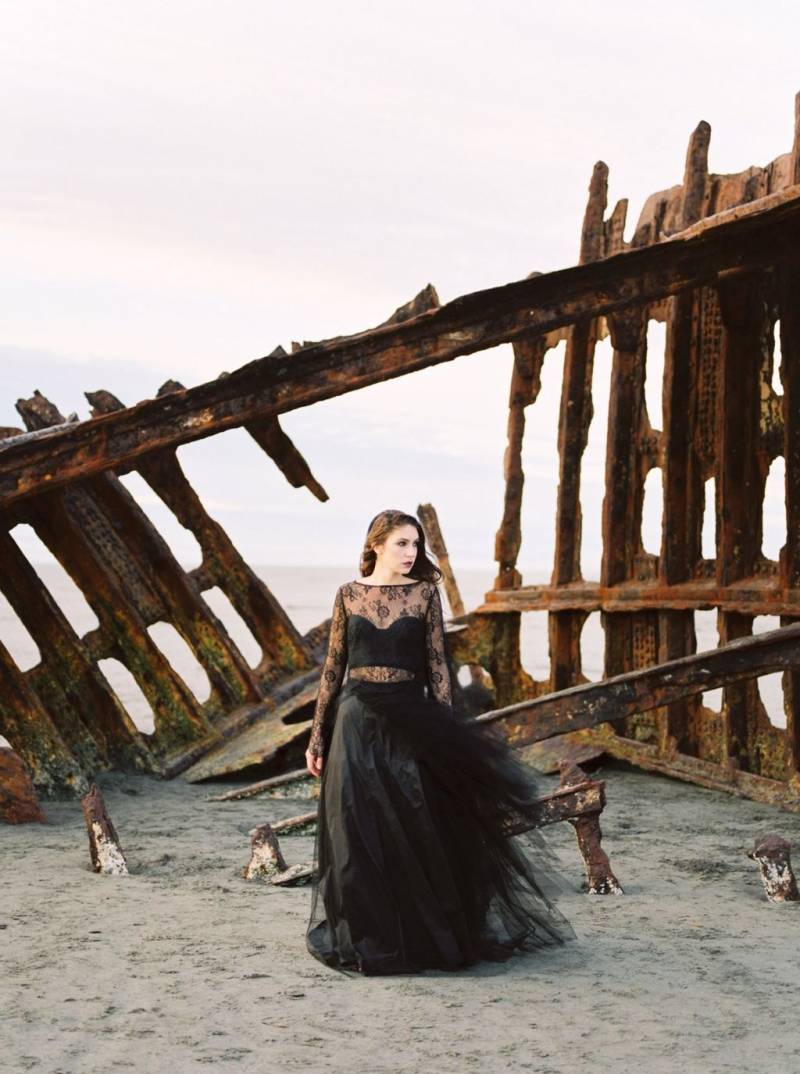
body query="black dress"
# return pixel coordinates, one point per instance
(412, 867)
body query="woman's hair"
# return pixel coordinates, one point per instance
(377, 532)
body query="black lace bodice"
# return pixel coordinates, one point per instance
(384, 633)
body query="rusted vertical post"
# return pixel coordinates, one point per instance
(789, 316)
(624, 484)
(682, 467)
(575, 416)
(740, 489)
(526, 383)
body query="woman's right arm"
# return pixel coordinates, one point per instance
(331, 678)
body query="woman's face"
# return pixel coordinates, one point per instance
(399, 551)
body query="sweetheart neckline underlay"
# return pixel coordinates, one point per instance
(399, 619)
(389, 585)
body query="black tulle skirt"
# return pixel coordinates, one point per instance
(412, 868)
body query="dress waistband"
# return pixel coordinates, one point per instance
(413, 687)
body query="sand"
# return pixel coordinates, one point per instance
(184, 966)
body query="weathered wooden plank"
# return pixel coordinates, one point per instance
(747, 237)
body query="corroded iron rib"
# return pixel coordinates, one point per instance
(751, 236)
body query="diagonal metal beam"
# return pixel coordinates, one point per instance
(747, 237)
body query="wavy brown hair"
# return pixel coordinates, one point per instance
(377, 532)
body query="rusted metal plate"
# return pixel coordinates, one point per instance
(576, 747)
(258, 745)
(18, 801)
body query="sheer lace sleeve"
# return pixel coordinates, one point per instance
(331, 678)
(436, 653)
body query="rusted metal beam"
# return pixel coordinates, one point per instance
(613, 699)
(759, 595)
(57, 520)
(283, 649)
(747, 237)
(90, 719)
(55, 771)
(783, 794)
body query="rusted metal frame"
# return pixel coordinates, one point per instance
(26, 724)
(682, 501)
(179, 719)
(142, 551)
(283, 649)
(526, 383)
(741, 474)
(533, 720)
(779, 793)
(232, 682)
(90, 719)
(493, 642)
(743, 238)
(789, 315)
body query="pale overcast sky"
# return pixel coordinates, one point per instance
(186, 185)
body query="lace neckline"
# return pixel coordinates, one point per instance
(390, 585)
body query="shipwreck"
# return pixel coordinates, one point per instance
(717, 260)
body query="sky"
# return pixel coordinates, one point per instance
(188, 185)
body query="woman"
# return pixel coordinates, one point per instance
(412, 869)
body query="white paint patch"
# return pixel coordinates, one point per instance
(109, 856)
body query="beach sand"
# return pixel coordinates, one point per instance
(184, 966)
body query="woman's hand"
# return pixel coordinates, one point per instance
(314, 763)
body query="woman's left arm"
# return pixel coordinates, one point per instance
(436, 651)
